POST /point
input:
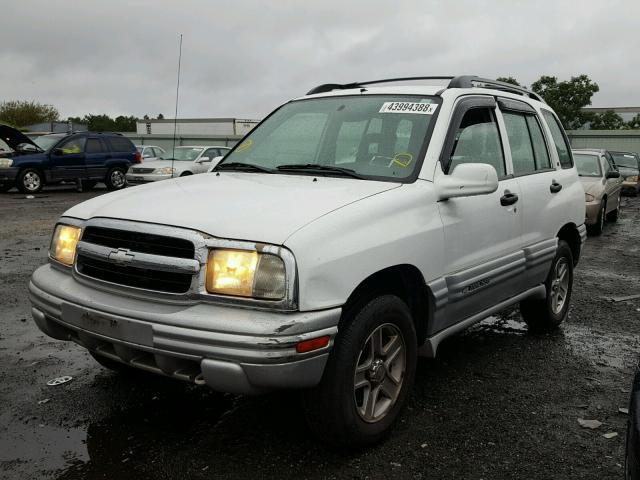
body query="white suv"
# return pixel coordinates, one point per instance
(353, 229)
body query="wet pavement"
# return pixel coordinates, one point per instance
(497, 403)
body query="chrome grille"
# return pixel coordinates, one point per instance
(137, 259)
(142, 170)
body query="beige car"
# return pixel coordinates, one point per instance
(602, 186)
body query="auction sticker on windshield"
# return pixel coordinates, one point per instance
(409, 107)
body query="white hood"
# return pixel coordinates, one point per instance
(241, 206)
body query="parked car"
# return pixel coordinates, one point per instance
(50, 159)
(299, 265)
(602, 187)
(150, 152)
(628, 164)
(632, 454)
(180, 162)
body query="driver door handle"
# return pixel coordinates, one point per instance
(555, 187)
(508, 198)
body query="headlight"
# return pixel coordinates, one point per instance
(6, 162)
(165, 170)
(64, 242)
(633, 178)
(588, 197)
(246, 274)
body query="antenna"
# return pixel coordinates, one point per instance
(175, 117)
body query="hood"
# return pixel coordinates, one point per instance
(627, 171)
(14, 137)
(592, 185)
(241, 206)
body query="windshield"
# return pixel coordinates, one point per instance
(45, 142)
(587, 165)
(186, 154)
(379, 136)
(628, 160)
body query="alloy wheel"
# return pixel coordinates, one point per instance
(31, 181)
(379, 373)
(117, 178)
(560, 285)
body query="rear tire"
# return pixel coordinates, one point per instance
(368, 376)
(30, 180)
(116, 178)
(546, 314)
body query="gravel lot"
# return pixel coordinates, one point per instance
(497, 403)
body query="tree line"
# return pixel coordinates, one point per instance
(567, 98)
(22, 113)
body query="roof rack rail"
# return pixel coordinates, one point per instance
(327, 87)
(470, 81)
(462, 81)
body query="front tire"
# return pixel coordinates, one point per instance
(598, 227)
(613, 215)
(368, 376)
(30, 180)
(116, 179)
(546, 314)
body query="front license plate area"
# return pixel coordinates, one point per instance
(109, 326)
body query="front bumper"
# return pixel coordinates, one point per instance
(8, 175)
(139, 178)
(231, 349)
(592, 209)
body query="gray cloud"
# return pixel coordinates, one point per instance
(244, 58)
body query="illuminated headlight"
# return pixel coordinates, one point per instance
(165, 170)
(633, 178)
(64, 242)
(246, 273)
(588, 197)
(6, 162)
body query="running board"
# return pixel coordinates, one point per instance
(430, 345)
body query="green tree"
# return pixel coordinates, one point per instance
(567, 98)
(510, 80)
(21, 113)
(125, 124)
(608, 120)
(634, 123)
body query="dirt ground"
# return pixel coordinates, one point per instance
(497, 403)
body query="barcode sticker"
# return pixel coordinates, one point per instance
(409, 107)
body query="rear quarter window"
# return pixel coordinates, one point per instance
(121, 144)
(559, 139)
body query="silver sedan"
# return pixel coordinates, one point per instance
(177, 162)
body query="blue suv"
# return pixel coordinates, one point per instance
(84, 156)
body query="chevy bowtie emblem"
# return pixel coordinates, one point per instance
(121, 256)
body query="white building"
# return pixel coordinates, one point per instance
(196, 126)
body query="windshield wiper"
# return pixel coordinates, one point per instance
(242, 167)
(316, 168)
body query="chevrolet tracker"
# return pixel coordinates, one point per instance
(353, 229)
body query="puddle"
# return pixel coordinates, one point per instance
(503, 324)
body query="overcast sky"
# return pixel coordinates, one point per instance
(242, 58)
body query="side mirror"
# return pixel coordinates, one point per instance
(27, 148)
(613, 174)
(204, 160)
(58, 151)
(467, 180)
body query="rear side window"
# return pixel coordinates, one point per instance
(478, 141)
(121, 144)
(559, 139)
(528, 149)
(94, 145)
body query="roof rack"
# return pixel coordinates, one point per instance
(461, 81)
